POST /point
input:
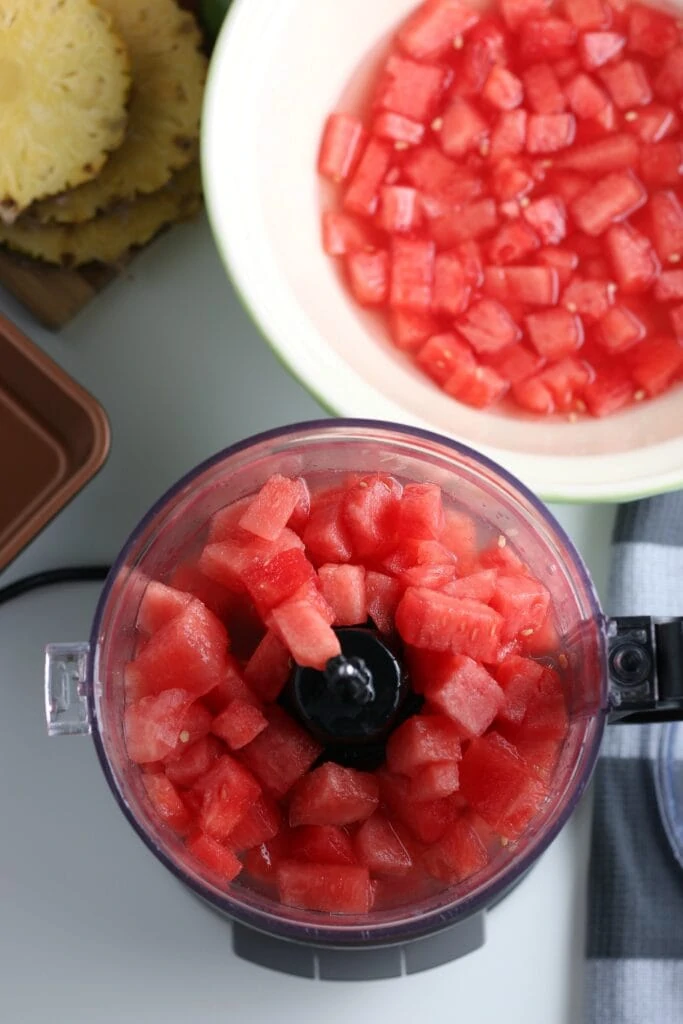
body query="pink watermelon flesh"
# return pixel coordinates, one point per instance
(331, 888)
(281, 754)
(369, 512)
(269, 667)
(333, 795)
(383, 595)
(523, 602)
(321, 844)
(379, 847)
(343, 587)
(159, 605)
(500, 785)
(421, 740)
(239, 724)
(258, 824)
(519, 679)
(194, 762)
(421, 514)
(272, 508)
(272, 582)
(467, 694)
(151, 727)
(433, 781)
(459, 854)
(228, 791)
(325, 534)
(227, 562)
(306, 633)
(441, 623)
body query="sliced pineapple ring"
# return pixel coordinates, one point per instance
(108, 237)
(169, 71)
(64, 83)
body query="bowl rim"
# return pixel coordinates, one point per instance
(222, 213)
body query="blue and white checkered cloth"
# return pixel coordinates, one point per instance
(634, 971)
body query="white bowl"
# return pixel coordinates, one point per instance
(277, 71)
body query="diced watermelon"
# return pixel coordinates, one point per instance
(548, 133)
(460, 536)
(412, 274)
(343, 234)
(383, 595)
(516, 12)
(545, 39)
(409, 88)
(272, 582)
(410, 330)
(427, 820)
(429, 32)
(196, 724)
(669, 82)
(650, 31)
(433, 781)
(503, 90)
(563, 261)
(513, 242)
(533, 394)
(655, 362)
(554, 333)
(610, 390)
(435, 176)
(541, 755)
(325, 534)
(611, 199)
(397, 128)
(661, 163)
(188, 653)
(159, 605)
(451, 293)
(399, 211)
(227, 790)
(239, 724)
(379, 847)
(654, 122)
(341, 146)
(588, 100)
(330, 888)
(333, 795)
(369, 513)
(588, 14)
(633, 259)
(421, 740)
(463, 128)
(257, 825)
(613, 153)
(369, 276)
(499, 785)
(269, 668)
(619, 329)
(305, 632)
(362, 194)
(627, 84)
(511, 179)
(536, 286)
(597, 48)
(166, 801)
(441, 623)
(488, 326)
(420, 513)
(343, 587)
(543, 91)
(669, 286)
(262, 861)
(439, 356)
(519, 679)
(478, 585)
(215, 856)
(467, 694)
(522, 601)
(566, 380)
(590, 299)
(281, 754)
(478, 386)
(321, 844)
(546, 714)
(508, 134)
(666, 215)
(227, 561)
(194, 762)
(461, 224)
(459, 854)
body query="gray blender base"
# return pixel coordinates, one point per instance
(362, 964)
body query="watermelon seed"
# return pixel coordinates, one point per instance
(502, 541)
(675, 257)
(572, 307)
(546, 164)
(504, 840)
(458, 42)
(524, 202)
(630, 115)
(527, 632)
(484, 148)
(581, 406)
(400, 145)
(184, 736)
(639, 395)
(563, 661)
(572, 417)
(437, 124)
(612, 289)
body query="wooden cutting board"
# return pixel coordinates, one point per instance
(55, 295)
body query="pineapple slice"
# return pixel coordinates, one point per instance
(169, 71)
(64, 83)
(108, 238)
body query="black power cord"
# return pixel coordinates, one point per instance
(69, 574)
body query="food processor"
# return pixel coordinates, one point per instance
(614, 670)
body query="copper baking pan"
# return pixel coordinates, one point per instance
(54, 437)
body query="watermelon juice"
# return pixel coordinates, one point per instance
(461, 593)
(502, 193)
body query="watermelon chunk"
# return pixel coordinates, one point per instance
(627, 84)
(257, 825)
(429, 32)
(543, 91)
(451, 293)
(548, 218)
(343, 587)
(588, 14)
(511, 179)
(522, 601)
(499, 785)
(503, 89)
(548, 133)
(306, 632)
(597, 48)
(669, 82)
(421, 740)
(330, 888)
(410, 88)
(562, 261)
(215, 856)
(519, 679)
(383, 595)
(508, 134)
(153, 725)
(362, 194)
(368, 274)
(612, 198)
(195, 761)
(427, 820)
(272, 582)
(669, 286)
(420, 514)
(227, 790)
(588, 100)
(412, 274)
(537, 286)
(409, 331)
(321, 844)
(513, 242)
(459, 853)
(341, 146)
(546, 713)
(397, 128)
(633, 258)
(269, 668)
(441, 623)
(159, 605)
(654, 122)
(239, 724)
(655, 363)
(433, 781)
(440, 355)
(227, 561)
(478, 585)
(196, 724)
(488, 326)
(369, 513)
(554, 333)
(379, 847)
(541, 755)
(399, 211)
(661, 163)
(166, 801)
(333, 795)
(619, 329)
(281, 754)
(460, 536)
(325, 534)
(261, 862)
(463, 128)
(516, 12)
(666, 215)
(467, 694)
(590, 299)
(478, 386)
(342, 234)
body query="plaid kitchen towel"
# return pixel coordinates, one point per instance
(634, 969)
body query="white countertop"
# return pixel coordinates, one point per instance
(92, 929)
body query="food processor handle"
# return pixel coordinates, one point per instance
(645, 667)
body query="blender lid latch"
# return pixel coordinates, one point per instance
(645, 668)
